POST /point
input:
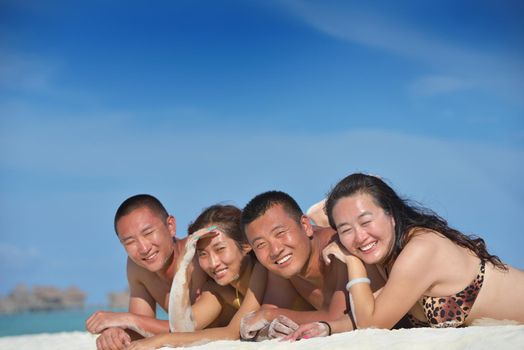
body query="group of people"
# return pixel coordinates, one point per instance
(364, 257)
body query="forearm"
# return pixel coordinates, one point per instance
(190, 338)
(180, 312)
(361, 295)
(343, 324)
(147, 326)
(300, 317)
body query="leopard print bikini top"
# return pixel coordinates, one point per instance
(450, 311)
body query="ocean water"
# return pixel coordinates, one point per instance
(49, 321)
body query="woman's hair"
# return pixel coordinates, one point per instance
(406, 214)
(226, 217)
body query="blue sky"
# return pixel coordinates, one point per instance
(199, 102)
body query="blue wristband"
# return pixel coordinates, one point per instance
(357, 280)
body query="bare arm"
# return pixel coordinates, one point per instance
(410, 277)
(118, 328)
(321, 329)
(208, 306)
(250, 303)
(333, 307)
(141, 314)
(142, 307)
(180, 310)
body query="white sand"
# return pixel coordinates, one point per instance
(484, 337)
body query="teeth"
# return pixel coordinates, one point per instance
(284, 259)
(220, 273)
(368, 247)
(151, 256)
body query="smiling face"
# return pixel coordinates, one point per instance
(147, 239)
(221, 258)
(364, 228)
(280, 243)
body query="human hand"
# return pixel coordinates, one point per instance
(101, 320)
(281, 327)
(309, 330)
(147, 343)
(113, 339)
(337, 250)
(254, 325)
(193, 239)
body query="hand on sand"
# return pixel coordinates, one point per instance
(101, 320)
(253, 326)
(113, 339)
(281, 327)
(309, 330)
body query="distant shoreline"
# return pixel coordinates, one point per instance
(47, 298)
(54, 321)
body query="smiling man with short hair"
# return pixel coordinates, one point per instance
(147, 232)
(290, 248)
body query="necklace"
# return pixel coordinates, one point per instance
(236, 302)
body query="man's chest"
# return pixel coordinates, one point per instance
(315, 294)
(159, 290)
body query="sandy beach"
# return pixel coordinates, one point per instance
(476, 337)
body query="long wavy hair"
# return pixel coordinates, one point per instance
(407, 216)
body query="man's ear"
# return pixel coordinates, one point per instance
(171, 225)
(305, 221)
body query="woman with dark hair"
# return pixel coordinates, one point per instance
(435, 274)
(237, 281)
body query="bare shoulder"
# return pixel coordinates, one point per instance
(328, 231)
(420, 252)
(323, 235)
(136, 273)
(428, 243)
(180, 243)
(142, 301)
(258, 270)
(425, 239)
(144, 283)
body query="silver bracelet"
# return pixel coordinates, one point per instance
(357, 280)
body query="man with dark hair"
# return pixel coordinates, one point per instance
(290, 248)
(147, 232)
